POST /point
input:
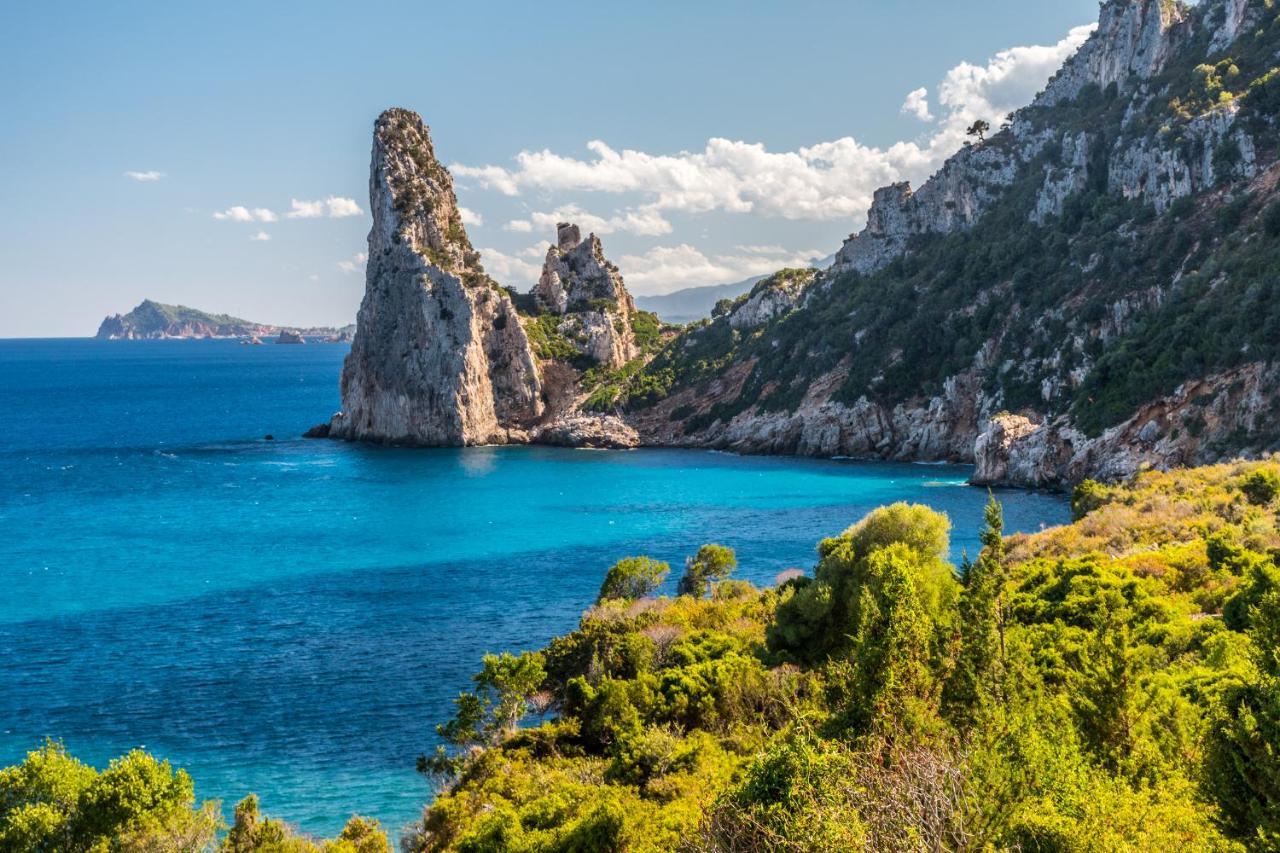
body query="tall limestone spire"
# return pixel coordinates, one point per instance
(440, 356)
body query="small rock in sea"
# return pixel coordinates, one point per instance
(268, 437)
(317, 431)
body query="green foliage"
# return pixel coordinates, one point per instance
(633, 577)
(52, 802)
(1155, 298)
(547, 340)
(1262, 486)
(815, 623)
(253, 832)
(1075, 690)
(712, 564)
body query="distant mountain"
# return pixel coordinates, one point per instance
(155, 320)
(694, 303)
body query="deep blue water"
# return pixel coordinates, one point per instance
(292, 617)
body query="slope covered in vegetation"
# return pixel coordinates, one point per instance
(1112, 242)
(1112, 684)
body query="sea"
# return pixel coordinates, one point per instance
(181, 572)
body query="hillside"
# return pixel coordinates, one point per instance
(157, 320)
(1101, 272)
(1109, 685)
(1112, 684)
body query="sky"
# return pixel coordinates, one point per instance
(216, 154)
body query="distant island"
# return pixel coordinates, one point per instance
(157, 321)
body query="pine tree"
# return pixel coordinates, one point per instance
(980, 672)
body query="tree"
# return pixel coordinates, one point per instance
(504, 687)
(982, 664)
(979, 129)
(254, 833)
(1242, 763)
(711, 564)
(815, 623)
(632, 578)
(1262, 486)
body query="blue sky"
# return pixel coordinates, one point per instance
(725, 137)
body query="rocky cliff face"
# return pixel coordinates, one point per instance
(1067, 269)
(579, 284)
(440, 356)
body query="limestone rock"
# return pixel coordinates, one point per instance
(597, 431)
(771, 298)
(439, 356)
(1133, 42)
(1161, 171)
(579, 283)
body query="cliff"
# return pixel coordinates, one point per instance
(443, 355)
(579, 284)
(1100, 273)
(439, 356)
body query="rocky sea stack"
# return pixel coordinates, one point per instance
(439, 356)
(442, 355)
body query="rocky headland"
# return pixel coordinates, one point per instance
(157, 321)
(1050, 306)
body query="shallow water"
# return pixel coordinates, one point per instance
(292, 617)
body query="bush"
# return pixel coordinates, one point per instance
(632, 578)
(712, 563)
(1262, 486)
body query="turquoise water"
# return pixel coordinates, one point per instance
(292, 617)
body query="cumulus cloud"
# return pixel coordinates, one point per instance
(663, 269)
(470, 217)
(354, 264)
(827, 180)
(240, 213)
(645, 222)
(335, 207)
(917, 104)
(260, 237)
(145, 177)
(520, 270)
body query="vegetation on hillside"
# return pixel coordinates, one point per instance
(1195, 286)
(53, 803)
(1111, 684)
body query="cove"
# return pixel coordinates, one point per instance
(293, 617)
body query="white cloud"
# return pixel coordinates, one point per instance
(240, 213)
(514, 270)
(645, 222)
(314, 277)
(663, 269)
(354, 264)
(917, 104)
(342, 207)
(336, 207)
(150, 175)
(824, 181)
(470, 217)
(260, 237)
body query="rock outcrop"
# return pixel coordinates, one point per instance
(1133, 42)
(440, 356)
(1203, 421)
(579, 284)
(771, 298)
(1053, 311)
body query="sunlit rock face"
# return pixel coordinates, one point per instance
(440, 356)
